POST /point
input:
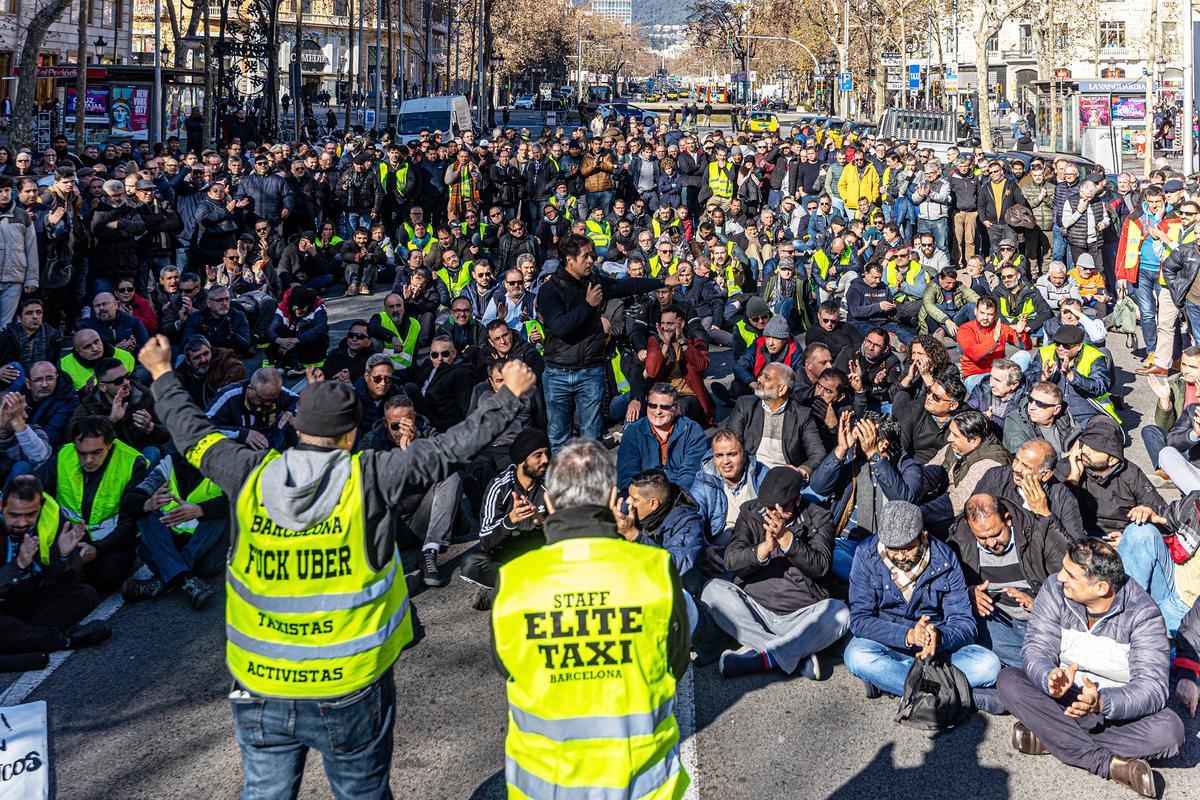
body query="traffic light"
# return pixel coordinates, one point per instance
(729, 42)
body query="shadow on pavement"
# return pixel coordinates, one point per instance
(960, 748)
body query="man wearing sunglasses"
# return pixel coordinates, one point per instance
(128, 406)
(441, 386)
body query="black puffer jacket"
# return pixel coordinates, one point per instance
(1179, 269)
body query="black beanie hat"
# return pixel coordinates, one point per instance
(527, 441)
(328, 408)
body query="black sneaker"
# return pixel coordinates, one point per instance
(89, 635)
(135, 591)
(815, 668)
(987, 700)
(873, 691)
(197, 591)
(429, 568)
(483, 598)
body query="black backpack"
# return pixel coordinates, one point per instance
(936, 696)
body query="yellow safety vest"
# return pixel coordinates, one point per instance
(404, 356)
(590, 690)
(401, 174)
(658, 226)
(456, 284)
(618, 373)
(204, 491)
(306, 615)
(748, 334)
(599, 232)
(533, 325)
(893, 277)
(79, 374)
(118, 472)
(656, 266)
(47, 528)
(731, 285)
(1087, 357)
(721, 186)
(1027, 308)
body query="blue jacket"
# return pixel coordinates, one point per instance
(879, 612)
(896, 478)
(1078, 392)
(269, 195)
(53, 414)
(639, 452)
(709, 494)
(670, 190)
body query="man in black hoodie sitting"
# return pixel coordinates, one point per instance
(777, 605)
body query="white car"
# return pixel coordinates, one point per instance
(525, 103)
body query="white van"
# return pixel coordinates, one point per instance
(450, 114)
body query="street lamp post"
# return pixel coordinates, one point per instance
(828, 67)
(156, 112)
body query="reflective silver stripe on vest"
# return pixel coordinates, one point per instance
(608, 727)
(305, 652)
(315, 604)
(538, 788)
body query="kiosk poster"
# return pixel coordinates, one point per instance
(131, 111)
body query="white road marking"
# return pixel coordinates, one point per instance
(685, 716)
(24, 685)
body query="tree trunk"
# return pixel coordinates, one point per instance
(176, 37)
(23, 109)
(982, 108)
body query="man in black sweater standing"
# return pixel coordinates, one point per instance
(570, 303)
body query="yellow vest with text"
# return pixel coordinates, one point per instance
(306, 615)
(106, 504)
(1088, 356)
(204, 491)
(79, 374)
(718, 182)
(590, 690)
(408, 341)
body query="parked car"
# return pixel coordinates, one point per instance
(762, 122)
(524, 102)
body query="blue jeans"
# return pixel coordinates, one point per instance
(940, 228)
(354, 221)
(886, 668)
(353, 734)
(1145, 293)
(568, 391)
(1005, 639)
(1060, 250)
(602, 199)
(1148, 562)
(159, 550)
(843, 558)
(1193, 317)
(964, 314)
(1155, 439)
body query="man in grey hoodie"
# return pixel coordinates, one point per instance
(317, 608)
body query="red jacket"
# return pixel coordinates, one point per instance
(980, 348)
(140, 307)
(695, 363)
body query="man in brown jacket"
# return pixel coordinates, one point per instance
(597, 170)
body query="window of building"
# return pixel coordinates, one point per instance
(993, 46)
(8, 6)
(1170, 37)
(1112, 33)
(1025, 38)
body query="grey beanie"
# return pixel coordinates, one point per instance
(899, 524)
(777, 328)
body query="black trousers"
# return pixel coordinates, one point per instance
(109, 570)
(34, 621)
(484, 567)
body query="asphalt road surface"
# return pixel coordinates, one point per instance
(145, 715)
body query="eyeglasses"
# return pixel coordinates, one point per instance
(1043, 404)
(460, 311)
(124, 289)
(440, 354)
(660, 406)
(357, 336)
(760, 318)
(377, 379)
(117, 381)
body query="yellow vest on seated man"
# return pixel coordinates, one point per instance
(94, 449)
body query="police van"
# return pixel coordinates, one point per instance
(450, 114)
(937, 130)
